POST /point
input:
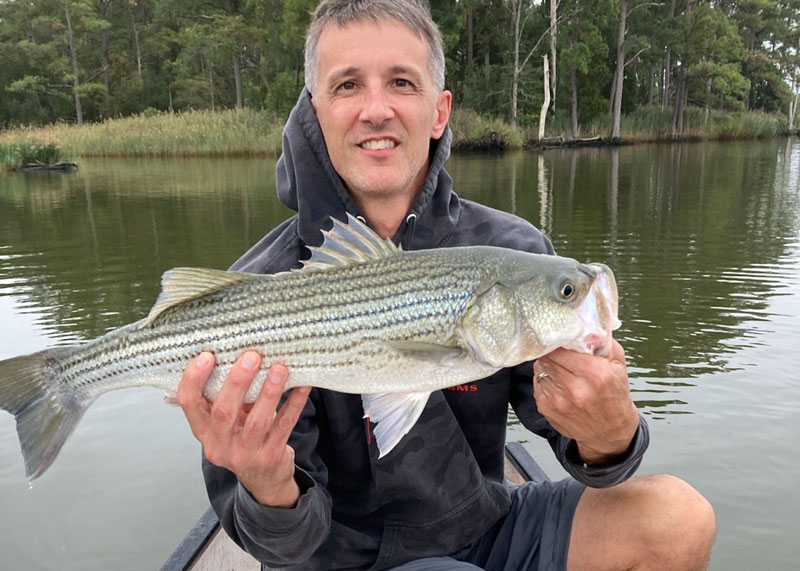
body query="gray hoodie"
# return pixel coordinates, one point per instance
(443, 486)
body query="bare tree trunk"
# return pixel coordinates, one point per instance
(651, 88)
(106, 74)
(74, 57)
(680, 101)
(575, 128)
(613, 92)
(553, 47)
(667, 71)
(796, 91)
(546, 103)
(517, 16)
(470, 42)
(211, 83)
(619, 73)
(138, 53)
(668, 63)
(237, 80)
(104, 4)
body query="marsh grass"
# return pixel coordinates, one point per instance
(648, 124)
(154, 133)
(14, 155)
(252, 132)
(471, 130)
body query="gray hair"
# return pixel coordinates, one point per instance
(412, 13)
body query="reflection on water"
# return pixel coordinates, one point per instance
(703, 240)
(700, 237)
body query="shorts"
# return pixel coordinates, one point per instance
(534, 535)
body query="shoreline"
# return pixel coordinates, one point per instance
(253, 133)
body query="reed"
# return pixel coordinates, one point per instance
(647, 124)
(472, 131)
(14, 155)
(154, 133)
(253, 132)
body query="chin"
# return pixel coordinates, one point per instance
(380, 188)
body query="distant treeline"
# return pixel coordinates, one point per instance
(89, 60)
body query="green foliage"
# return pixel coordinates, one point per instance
(179, 55)
(14, 155)
(472, 130)
(157, 133)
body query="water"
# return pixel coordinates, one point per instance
(704, 240)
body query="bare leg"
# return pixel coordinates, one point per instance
(651, 523)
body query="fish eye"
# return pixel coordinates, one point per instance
(567, 291)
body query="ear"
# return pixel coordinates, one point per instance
(443, 104)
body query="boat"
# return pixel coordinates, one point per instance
(208, 548)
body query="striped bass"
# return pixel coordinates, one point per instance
(361, 316)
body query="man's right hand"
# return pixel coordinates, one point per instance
(249, 440)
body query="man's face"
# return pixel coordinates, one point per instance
(377, 106)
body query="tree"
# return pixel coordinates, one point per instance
(521, 12)
(584, 28)
(709, 55)
(621, 63)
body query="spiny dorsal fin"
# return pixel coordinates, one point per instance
(350, 243)
(180, 285)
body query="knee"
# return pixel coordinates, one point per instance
(685, 521)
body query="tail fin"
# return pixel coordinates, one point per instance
(46, 409)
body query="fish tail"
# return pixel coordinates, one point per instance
(46, 409)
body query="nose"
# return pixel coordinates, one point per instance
(377, 108)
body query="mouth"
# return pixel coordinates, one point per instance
(378, 144)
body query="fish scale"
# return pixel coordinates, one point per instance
(361, 317)
(348, 303)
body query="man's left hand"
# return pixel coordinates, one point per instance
(587, 398)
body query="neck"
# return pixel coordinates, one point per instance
(387, 214)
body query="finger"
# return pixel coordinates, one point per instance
(228, 404)
(550, 373)
(583, 364)
(288, 416)
(190, 391)
(261, 415)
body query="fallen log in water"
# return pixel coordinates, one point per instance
(49, 167)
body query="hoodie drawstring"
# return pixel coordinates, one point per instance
(411, 222)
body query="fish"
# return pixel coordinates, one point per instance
(360, 316)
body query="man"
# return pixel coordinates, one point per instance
(299, 485)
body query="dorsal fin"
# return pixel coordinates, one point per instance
(180, 285)
(350, 243)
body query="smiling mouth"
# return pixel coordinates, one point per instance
(378, 144)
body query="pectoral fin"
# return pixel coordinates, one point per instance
(394, 415)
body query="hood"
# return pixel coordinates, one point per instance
(307, 183)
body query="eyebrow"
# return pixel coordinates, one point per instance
(352, 70)
(344, 72)
(403, 70)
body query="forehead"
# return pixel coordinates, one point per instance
(367, 44)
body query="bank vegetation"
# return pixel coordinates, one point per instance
(582, 68)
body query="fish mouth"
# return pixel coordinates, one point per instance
(598, 312)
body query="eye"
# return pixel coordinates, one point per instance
(347, 85)
(567, 291)
(402, 83)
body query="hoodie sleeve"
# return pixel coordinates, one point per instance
(566, 449)
(277, 536)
